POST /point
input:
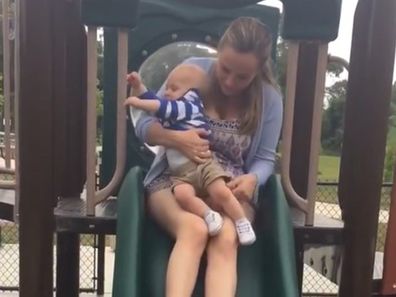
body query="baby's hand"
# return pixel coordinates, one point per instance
(134, 80)
(132, 101)
(136, 83)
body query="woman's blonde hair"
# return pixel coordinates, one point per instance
(249, 35)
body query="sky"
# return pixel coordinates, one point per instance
(342, 45)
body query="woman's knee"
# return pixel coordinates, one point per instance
(178, 222)
(193, 229)
(226, 241)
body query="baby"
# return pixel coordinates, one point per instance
(182, 109)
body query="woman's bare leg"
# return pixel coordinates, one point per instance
(221, 272)
(191, 237)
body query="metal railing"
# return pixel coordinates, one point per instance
(306, 205)
(93, 196)
(314, 283)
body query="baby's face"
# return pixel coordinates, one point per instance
(181, 79)
(174, 88)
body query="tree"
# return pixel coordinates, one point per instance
(281, 65)
(332, 128)
(333, 118)
(388, 164)
(333, 70)
(390, 148)
(392, 110)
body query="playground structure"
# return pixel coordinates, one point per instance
(59, 113)
(7, 147)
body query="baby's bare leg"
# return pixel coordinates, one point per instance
(219, 191)
(248, 210)
(185, 196)
(187, 199)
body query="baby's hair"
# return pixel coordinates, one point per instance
(189, 67)
(192, 74)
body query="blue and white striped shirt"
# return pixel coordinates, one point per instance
(183, 113)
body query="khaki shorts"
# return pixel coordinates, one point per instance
(200, 176)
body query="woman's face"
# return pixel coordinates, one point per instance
(235, 71)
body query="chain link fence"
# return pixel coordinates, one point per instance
(319, 281)
(9, 256)
(9, 259)
(327, 205)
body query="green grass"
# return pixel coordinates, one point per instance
(391, 137)
(329, 167)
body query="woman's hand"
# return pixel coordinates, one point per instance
(243, 186)
(192, 145)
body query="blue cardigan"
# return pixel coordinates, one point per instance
(260, 159)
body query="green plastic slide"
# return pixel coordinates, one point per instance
(265, 269)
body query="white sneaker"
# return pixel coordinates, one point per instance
(214, 221)
(245, 232)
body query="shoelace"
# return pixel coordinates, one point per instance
(212, 217)
(243, 228)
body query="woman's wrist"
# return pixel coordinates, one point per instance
(158, 135)
(169, 138)
(254, 178)
(256, 184)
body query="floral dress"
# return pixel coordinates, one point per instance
(228, 147)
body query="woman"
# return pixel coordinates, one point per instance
(245, 115)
